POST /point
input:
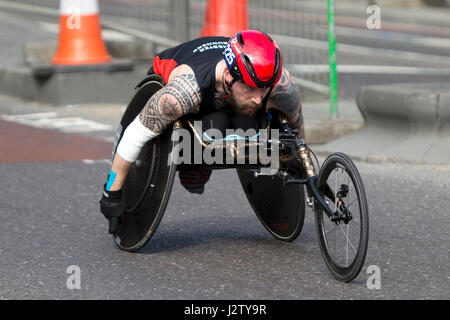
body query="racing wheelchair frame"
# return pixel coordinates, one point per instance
(278, 197)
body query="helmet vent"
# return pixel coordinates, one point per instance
(240, 39)
(249, 65)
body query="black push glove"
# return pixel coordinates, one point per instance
(112, 207)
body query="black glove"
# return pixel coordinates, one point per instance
(112, 207)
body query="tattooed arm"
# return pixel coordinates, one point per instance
(285, 98)
(179, 97)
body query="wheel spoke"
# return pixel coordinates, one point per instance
(331, 230)
(331, 233)
(343, 250)
(346, 237)
(348, 206)
(335, 227)
(346, 250)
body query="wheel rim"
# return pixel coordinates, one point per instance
(139, 177)
(343, 242)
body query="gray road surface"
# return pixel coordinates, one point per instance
(213, 246)
(210, 246)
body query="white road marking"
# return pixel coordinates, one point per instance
(50, 120)
(33, 115)
(91, 161)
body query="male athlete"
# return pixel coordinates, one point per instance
(224, 81)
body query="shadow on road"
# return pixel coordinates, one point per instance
(240, 233)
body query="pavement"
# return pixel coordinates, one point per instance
(413, 11)
(403, 122)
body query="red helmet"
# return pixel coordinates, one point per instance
(254, 58)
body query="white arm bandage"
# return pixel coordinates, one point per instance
(134, 139)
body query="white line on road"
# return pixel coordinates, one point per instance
(49, 120)
(91, 161)
(38, 115)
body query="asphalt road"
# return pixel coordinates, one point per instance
(210, 246)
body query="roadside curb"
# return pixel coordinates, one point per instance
(319, 131)
(58, 88)
(404, 122)
(37, 79)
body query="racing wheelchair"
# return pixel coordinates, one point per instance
(334, 191)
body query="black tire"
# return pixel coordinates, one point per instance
(279, 207)
(147, 188)
(344, 263)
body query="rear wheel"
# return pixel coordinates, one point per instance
(279, 207)
(343, 244)
(148, 185)
(146, 192)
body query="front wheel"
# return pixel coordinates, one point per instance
(343, 243)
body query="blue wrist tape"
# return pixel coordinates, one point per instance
(111, 178)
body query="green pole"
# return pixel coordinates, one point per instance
(332, 60)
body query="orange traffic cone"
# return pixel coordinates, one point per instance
(80, 38)
(225, 18)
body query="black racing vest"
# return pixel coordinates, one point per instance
(202, 55)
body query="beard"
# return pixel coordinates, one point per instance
(245, 110)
